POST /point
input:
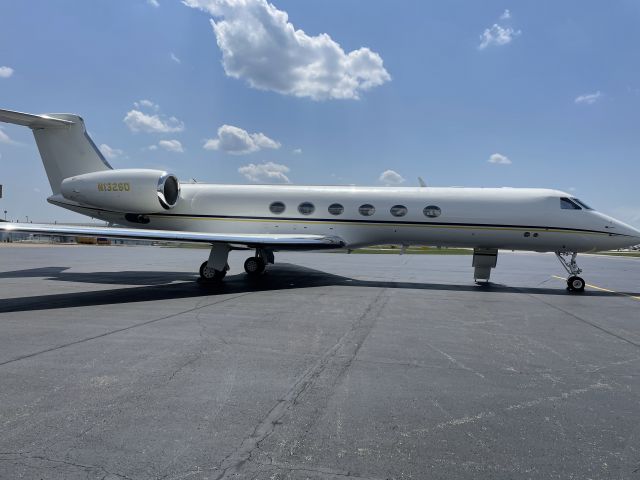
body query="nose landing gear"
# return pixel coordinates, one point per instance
(574, 282)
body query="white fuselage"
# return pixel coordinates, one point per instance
(506, 218)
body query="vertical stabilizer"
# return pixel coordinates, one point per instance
(65, 147)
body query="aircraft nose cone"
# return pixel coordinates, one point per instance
(634, 235)
(634, 232)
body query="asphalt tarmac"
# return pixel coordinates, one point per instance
(116, 363)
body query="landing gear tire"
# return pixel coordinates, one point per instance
(575, 284)
(254, 266)
(568, 261)
(210, 275)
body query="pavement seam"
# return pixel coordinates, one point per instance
(237, 459)
(587, 322)
(123, 329)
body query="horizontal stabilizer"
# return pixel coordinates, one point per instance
(277, 241)
(32, 121)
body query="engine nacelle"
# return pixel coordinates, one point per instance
(124, 190)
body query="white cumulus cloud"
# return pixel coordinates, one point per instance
(153, 3)
(497, 35)
(171, 145)
(175, 58)
(506, 15)
(110, 152)
(296, 151)
(261, 46)
(6, 72)
(265, 172)
(391, 177)
(588, 98)
(140, 104)
(138, 121)
(236, 141)
(499, 159)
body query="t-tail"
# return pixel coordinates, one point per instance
(80, 177)
(65, 147)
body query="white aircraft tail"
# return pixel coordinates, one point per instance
(65, 147)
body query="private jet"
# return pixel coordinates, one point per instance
(147, 204)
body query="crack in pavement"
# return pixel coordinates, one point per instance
(553, 399)
(453, 360)
(326, 472)
(42, 458)
(123, 329)
(233, 463)
(587, 322)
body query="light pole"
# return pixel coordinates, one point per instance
(5, 215)
(27, 218)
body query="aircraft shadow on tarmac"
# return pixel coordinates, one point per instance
(127, 277)
(145, 286)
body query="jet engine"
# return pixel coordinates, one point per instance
(124, 190)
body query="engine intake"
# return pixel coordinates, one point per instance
(168, 190)
(135, 191)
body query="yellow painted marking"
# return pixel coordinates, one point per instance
(595, 287)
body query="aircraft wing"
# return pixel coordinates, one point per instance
(252, 240)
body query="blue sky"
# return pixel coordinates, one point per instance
(431, 89)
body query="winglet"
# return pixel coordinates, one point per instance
(32, 121)
(421, 182)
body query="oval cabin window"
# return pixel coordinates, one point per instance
(398, 210)
(336, 209)
(306, 208)
(277, 207)
(367, 210)
(432, 211)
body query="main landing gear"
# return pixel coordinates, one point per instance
(574, 282)
(484, 259)
(255, 266)
(215, 268)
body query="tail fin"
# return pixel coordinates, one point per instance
(65, 147)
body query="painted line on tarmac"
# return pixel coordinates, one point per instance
(595, 287)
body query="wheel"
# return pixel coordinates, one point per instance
(210, 275)
(575, 284)
(254, 266)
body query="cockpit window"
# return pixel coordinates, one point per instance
(581, 203)
(568, 204)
